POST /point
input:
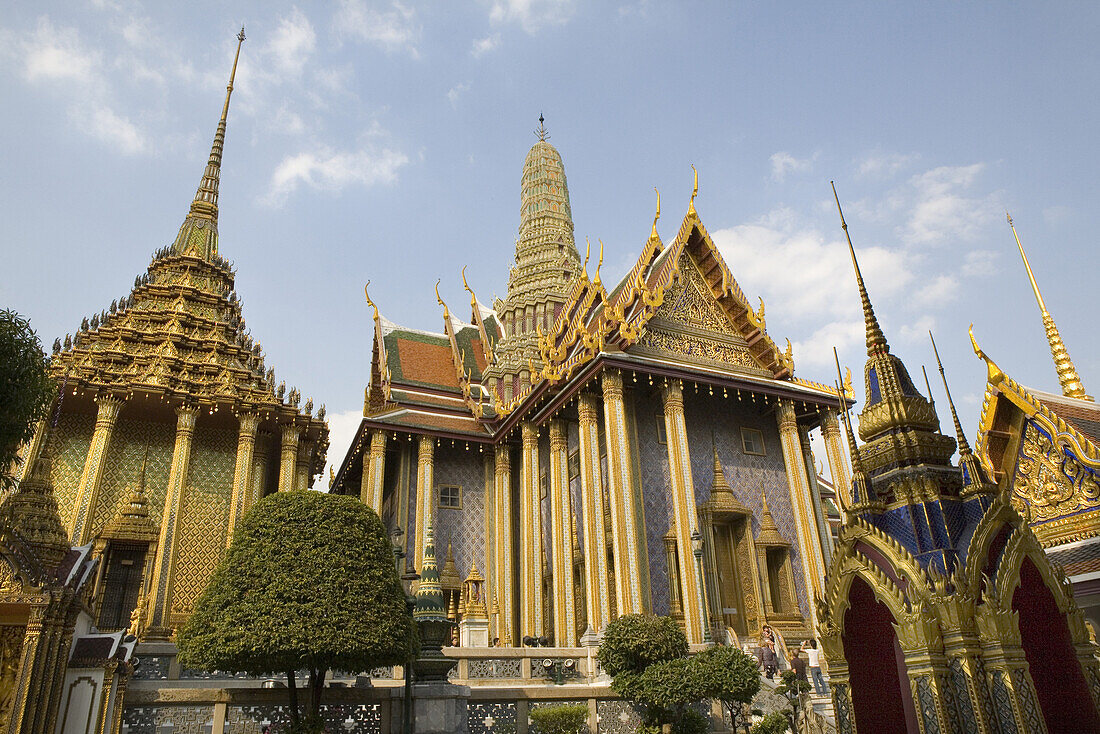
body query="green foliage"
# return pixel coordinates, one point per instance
(633, 642)
(561, 719)
(791, 688)
(309, 583)
(25, 387)
(774, 723)
(691, 722)
(308, 725)
(733, 676)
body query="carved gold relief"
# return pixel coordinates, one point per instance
(1050, 482)
(11, 648)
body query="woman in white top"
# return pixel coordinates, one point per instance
(814, 664)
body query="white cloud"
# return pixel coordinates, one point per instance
(292, 43)
(917, 332)
(116, 131)
(456, 92)
(884, 165)
(816, 351)
(936, 291)
(485, 45)
(943, 210)
(326, 169)
(784, 163)
(979, 263)
(57, 54)
(531, 15)
(393, 29)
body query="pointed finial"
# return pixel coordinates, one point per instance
(694, 190)
(653, 232)
(466, 285)
(369, 301)
(206, 197)
(861, 485)
(587, 254)
(927, 386)
(439, 299)
(1067, 372)
(964, 447)
(599, 265)
(540, 132)
(876, 340)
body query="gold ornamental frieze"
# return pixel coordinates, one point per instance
(1050, 481)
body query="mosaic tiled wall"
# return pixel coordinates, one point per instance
(747, 474)
(204, 514)
(656, 498)
(122, 467)
(69, 443)
(463, 528)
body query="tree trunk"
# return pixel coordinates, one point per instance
(316, 686)
(292, 687)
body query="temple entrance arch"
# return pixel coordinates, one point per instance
(1059, 681)
(881, 701)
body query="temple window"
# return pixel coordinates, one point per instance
(450, 496)
(752, 441)
(121, 586)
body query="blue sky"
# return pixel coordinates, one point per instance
(384, 141)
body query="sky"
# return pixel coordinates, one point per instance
(383, 141)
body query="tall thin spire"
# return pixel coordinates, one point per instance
(862, 494)
(199, 233)
(1067, 372)
(964, 447)
(876, 340)
(974, 476)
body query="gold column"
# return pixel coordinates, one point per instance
(374, 465)
(836, 450)
(186, 415)
(620, 470)
(489, 493)
(242, 474)
(595, 536)
(561, 523)
(531, 613)
(30, 451)
(809, 541)
(302, 465)
(106, 417)
(683, 508)
(259, 467)
(820, 521)
(288, 458)
(505, 598)
(425, 483)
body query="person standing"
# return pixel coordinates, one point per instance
(814, 662)
(798, 664)
(767, 653)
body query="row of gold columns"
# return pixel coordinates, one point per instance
(90, 479)
(592, 503)
(242, 473)
(425, 483)
(620, 470)
(561, 524)
(836, 451)
(502, 525)
(683, 509)
(374, 465)
(531, 612)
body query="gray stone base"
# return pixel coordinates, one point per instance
(439, 708)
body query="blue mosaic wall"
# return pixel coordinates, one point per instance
(463, 528)
(656, 492)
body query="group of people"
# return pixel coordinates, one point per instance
(768, 657)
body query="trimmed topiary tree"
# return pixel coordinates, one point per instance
(25, 388)
(733, 679)
(308, 583)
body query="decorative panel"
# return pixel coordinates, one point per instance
(152, 667)
(494, 668)
(617, 717)
(1025, 691)
(491, 717)
(122, 468)
(656, 492)
(962, 696)
(69, 442)
(1002, 702)
(204, 515)
(350, 718)
(927, 703)
(176, 719)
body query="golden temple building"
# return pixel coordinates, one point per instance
(168, 426)
(941, 611)
(603, 450)
(1044, 449)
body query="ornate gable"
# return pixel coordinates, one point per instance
(692, 324)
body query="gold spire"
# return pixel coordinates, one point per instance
(974, 477)
(439, 299)
(198, 235)
(369, 301)
(876, 340)
(596, 281)
(964, 447)
(1067, 372)
(540, 131)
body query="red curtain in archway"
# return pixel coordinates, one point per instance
(881, 701)
(1059, 681)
